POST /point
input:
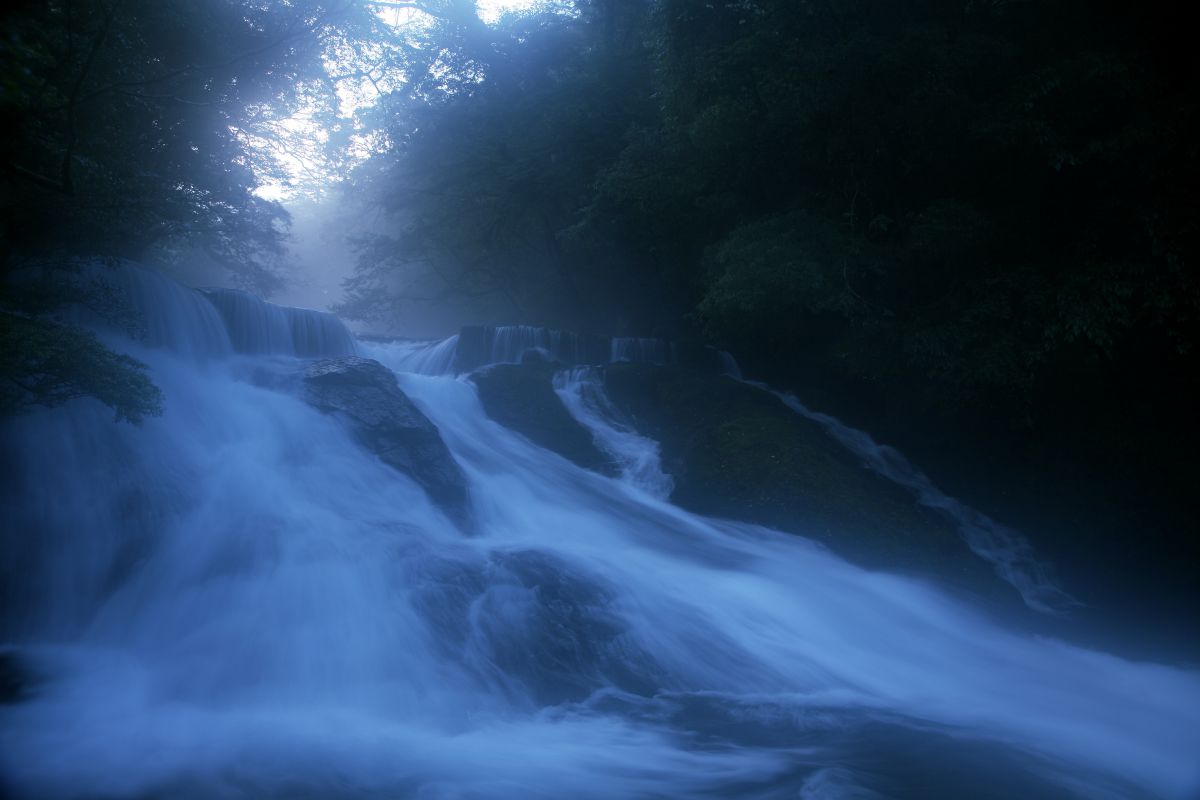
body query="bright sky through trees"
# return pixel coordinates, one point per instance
(301, 159)
(490, 10)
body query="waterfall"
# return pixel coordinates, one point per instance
(641, 350)
(1011, 555)
(480, 346)
(172, 315)
(237, 600)
(206, 323)
(422, 357)
(260, 328)
(729, 365)
(477, 347)
(582, 392)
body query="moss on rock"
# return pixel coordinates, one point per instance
(522, 397)
(736, 451)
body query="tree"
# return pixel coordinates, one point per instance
(135, 127)
(980, 210)
(45, 361)
(136, 124)
(493, 149)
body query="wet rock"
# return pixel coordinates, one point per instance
(736, 451)
(388, 423)
(480, 346)
(16, 678)
(522, 397)
(472, 349)
(698, 356)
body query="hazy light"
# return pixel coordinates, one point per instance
(295, 142)
(490, 11)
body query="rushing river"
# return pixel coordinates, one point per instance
(236, 600)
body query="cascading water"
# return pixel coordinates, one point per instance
(214, 323)
(1010, 554)
(174, 317)
(260, 328)
(236, 600)
(582, 392)
(641, 350)
(420, 357)
(479, 346)
(507, 343)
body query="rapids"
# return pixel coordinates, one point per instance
(235, 600)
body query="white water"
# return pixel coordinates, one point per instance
(508, 344)
(1010, 554)
(641, 349)
(1013, 558)
(260, 328)
(582, 392)
(235, 600)
(420, 357)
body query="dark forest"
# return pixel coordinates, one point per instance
(636, 306)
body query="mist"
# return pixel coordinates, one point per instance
(597, 399)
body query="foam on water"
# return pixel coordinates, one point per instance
(260, 328)
(236, 600)
(421, 357)
(478, 346)
(1011, 555)
(582, 392)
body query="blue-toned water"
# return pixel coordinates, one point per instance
(235, 600)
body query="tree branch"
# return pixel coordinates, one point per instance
(288, 36)
(40, 180)
(68, 185)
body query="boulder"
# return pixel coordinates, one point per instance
(479, 346)
(471, 352)
(365, 394)
(522, 397)
(16, 679)
(736, 451)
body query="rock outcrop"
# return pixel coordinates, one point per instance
(478, 346)
(522, 397)
(388, 423)
(736, 451)
(16, 678)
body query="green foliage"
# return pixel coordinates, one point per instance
(494, 149)
(46, 363)
(135, 127)
(522, 397)
(979, 204)
(733, 449)
(146, 124)
(775, 277)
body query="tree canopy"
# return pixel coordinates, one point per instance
(978, 215)
(969, 197)
(139, 129)
(974, 209)
(130, 125)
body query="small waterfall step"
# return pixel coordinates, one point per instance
(257, 327)
(479, 346)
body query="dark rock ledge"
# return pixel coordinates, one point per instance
(365, 394)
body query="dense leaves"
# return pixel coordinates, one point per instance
(143, 129)
(977, 209)
(494, 149)
(45, 360)
(967, 200)
(46, 363)
(137, 128)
